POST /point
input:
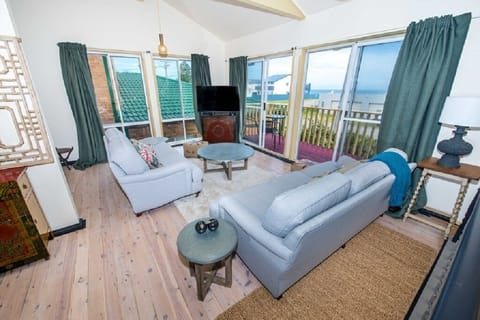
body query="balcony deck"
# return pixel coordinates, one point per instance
(305, 150)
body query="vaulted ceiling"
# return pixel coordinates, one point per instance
(230, 19)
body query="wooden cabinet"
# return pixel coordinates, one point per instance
(24, 230)
(219, 128)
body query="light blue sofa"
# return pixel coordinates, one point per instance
(148, 188)
(289, 225)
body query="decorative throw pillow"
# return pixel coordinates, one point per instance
(295, 206)
(147, 153)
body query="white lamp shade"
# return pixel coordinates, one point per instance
(461, 111)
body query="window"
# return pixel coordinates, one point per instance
(174, 83)
(120, 93)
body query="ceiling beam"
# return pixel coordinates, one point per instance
(285, 8)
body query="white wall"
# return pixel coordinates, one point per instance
(48, 180)
(363, 17)
(132, 25)
(106, 24)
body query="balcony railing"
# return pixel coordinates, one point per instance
(319, 127)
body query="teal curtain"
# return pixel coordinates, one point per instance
(200, 77)
(238, 77)
(81, 95)
(421, 81)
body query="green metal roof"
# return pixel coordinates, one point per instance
(169, 91)
(134, 106)
(132, 97)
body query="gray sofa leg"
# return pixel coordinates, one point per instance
(197, 194)
(343, 246)
(138, 214)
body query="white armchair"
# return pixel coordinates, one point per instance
(147, 188)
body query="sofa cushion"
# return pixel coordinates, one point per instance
(320, 169)
(366, 174)
(124, 155)
(293, 207)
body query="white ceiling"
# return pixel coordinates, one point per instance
(229, 21)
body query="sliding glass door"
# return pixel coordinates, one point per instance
(253, 109)
(321, 109)
(361, 121)
(344, 92)
(268, 92)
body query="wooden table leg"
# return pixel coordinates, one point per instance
(204, 165)
(206, 274)
(458, 205)
(228, 272)
(245, 164)
(415, 194)
(229, 170)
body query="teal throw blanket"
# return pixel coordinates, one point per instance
(399, 168)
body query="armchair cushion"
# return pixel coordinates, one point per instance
(124, 155)
(293, 207)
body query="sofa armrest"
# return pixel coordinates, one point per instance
(157, 173)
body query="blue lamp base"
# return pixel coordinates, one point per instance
(454, 148)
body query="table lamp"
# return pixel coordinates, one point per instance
(463, 113)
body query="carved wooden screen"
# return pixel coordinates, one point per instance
(23, 141)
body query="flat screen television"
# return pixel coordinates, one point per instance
(217, 98)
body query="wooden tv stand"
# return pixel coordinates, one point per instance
(219, 127)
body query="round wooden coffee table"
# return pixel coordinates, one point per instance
(224, 154)
(207, 252)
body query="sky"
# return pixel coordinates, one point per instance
(282, 65)
(163, 67)
(126, 64)
(327, 69)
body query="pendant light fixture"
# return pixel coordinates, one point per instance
(162, 48)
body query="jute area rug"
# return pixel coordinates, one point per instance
(375, 277)
(216, 184)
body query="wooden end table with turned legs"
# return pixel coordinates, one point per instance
(464, 175)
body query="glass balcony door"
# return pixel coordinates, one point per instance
(364, 107)
(268, 92)
(321, 109)
(344, 93)
(254, 101)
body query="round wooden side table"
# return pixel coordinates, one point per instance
(207, 252)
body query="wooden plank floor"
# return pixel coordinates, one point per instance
(124, 267)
